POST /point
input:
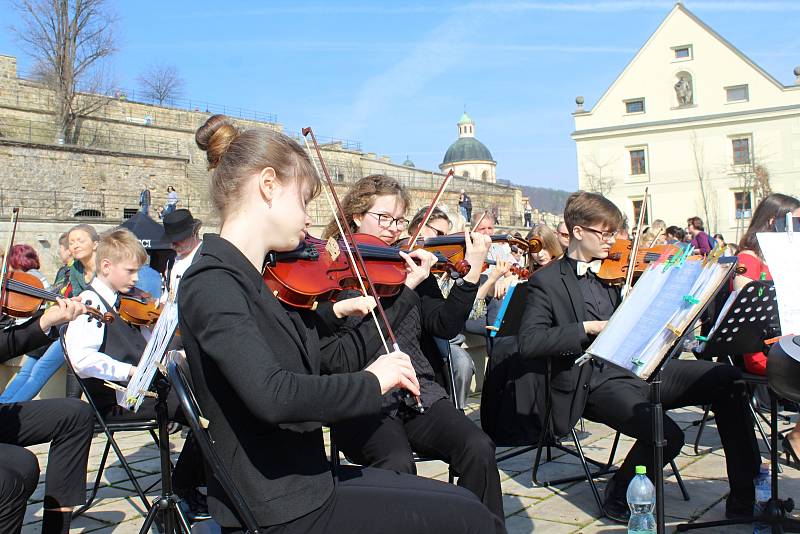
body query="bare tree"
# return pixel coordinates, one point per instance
(68, 40)
(754, 179)
(701, 173)
(160, 83)
(596, 175)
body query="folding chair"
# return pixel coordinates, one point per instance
(547, 440)
(109, 426)
(179, 376)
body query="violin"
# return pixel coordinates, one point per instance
(614, 268)
(453, 247)
(24, 294)
(139, 308)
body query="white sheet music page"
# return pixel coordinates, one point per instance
(782, 253)
(153, 353)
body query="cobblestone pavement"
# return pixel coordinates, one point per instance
(569, 508)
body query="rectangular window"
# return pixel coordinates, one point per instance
(637, 210)
(127, 213)
(634, 106)
(743, 204)
(741, 151)
(737, 93)
(683, 52)
(637, 161)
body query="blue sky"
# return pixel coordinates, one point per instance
(397, 75)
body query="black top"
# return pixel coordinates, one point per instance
(433, 316)
(595, 295)
(256, 370)
(552, 328)
(17, 340)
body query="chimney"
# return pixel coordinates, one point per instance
(579, 104)
(797, 75)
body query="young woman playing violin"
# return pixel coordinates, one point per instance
(773, 208)
(268, 376)
(376, 205)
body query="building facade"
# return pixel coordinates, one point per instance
(468, 157)
(698, 123)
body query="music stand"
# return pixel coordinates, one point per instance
(751, 313)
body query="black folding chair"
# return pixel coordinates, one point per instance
(179, 376)
(547, 440)
(109, 426)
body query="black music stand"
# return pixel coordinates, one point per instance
(753, 312)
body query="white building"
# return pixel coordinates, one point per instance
(698, 122)
(467, 156)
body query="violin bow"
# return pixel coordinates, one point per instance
(413, 239)
(4, 271)
(635, 248)
(352, 251)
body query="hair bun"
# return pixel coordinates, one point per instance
(215, 137)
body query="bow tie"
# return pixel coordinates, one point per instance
(584, 266)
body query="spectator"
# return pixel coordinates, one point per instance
(172, 201)
(563, 236)
(728, 249)
(465, 205)
(144, 200)
(528, 213)
(60, 281)
(700, 241)
(659, 229)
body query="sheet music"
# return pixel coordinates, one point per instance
(782, 253)
(642, 330)
(153, 354)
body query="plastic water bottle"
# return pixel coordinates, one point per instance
(641, 500)
(763, 494)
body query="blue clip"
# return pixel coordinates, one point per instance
(690, 299)
(686, 253)
(701, 338)
(637, 362)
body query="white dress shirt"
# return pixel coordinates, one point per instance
(178, 268)
(84, 340)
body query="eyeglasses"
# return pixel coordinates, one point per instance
(386, 221)
(605, 236)
(565, 235)
(439, 233)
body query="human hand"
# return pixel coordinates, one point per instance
(475, 252)
(500, 269)
(415, 274)
(355, 307)
(501, 287)
(394, 370)
(64, 311)
(593, 328)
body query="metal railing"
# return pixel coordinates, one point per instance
(100, 205)
(92, 134)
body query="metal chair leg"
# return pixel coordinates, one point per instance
(589, 475)
(702, 424)
(679, 479)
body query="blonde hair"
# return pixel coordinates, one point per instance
(118, 245)
(549, 240)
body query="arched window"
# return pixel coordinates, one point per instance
(88, 213)
(465, 174)
(485, 175)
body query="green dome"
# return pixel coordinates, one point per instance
(465, 119)
(467, 149)
(408, 162)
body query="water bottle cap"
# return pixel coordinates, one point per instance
(641, 470)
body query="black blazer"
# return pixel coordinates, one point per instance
(552, 328)
(17, 340)
(256, 371)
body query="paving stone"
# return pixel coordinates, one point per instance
(513, 504)
(575, 505)
(520, 524)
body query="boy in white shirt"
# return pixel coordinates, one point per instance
(111, 352)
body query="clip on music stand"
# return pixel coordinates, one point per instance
(752, 312)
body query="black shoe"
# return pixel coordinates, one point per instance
(194, 504)
(617, 510)
(738, 507)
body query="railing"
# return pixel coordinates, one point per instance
(92, 134)
(187, 104)
(100, 205)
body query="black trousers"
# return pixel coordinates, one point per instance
(622, 402)
(189, 470)
(377, 500)
(67, 424)
(441, 432)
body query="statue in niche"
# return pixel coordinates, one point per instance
(683, 90)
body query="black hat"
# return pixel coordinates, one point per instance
(179, 225)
